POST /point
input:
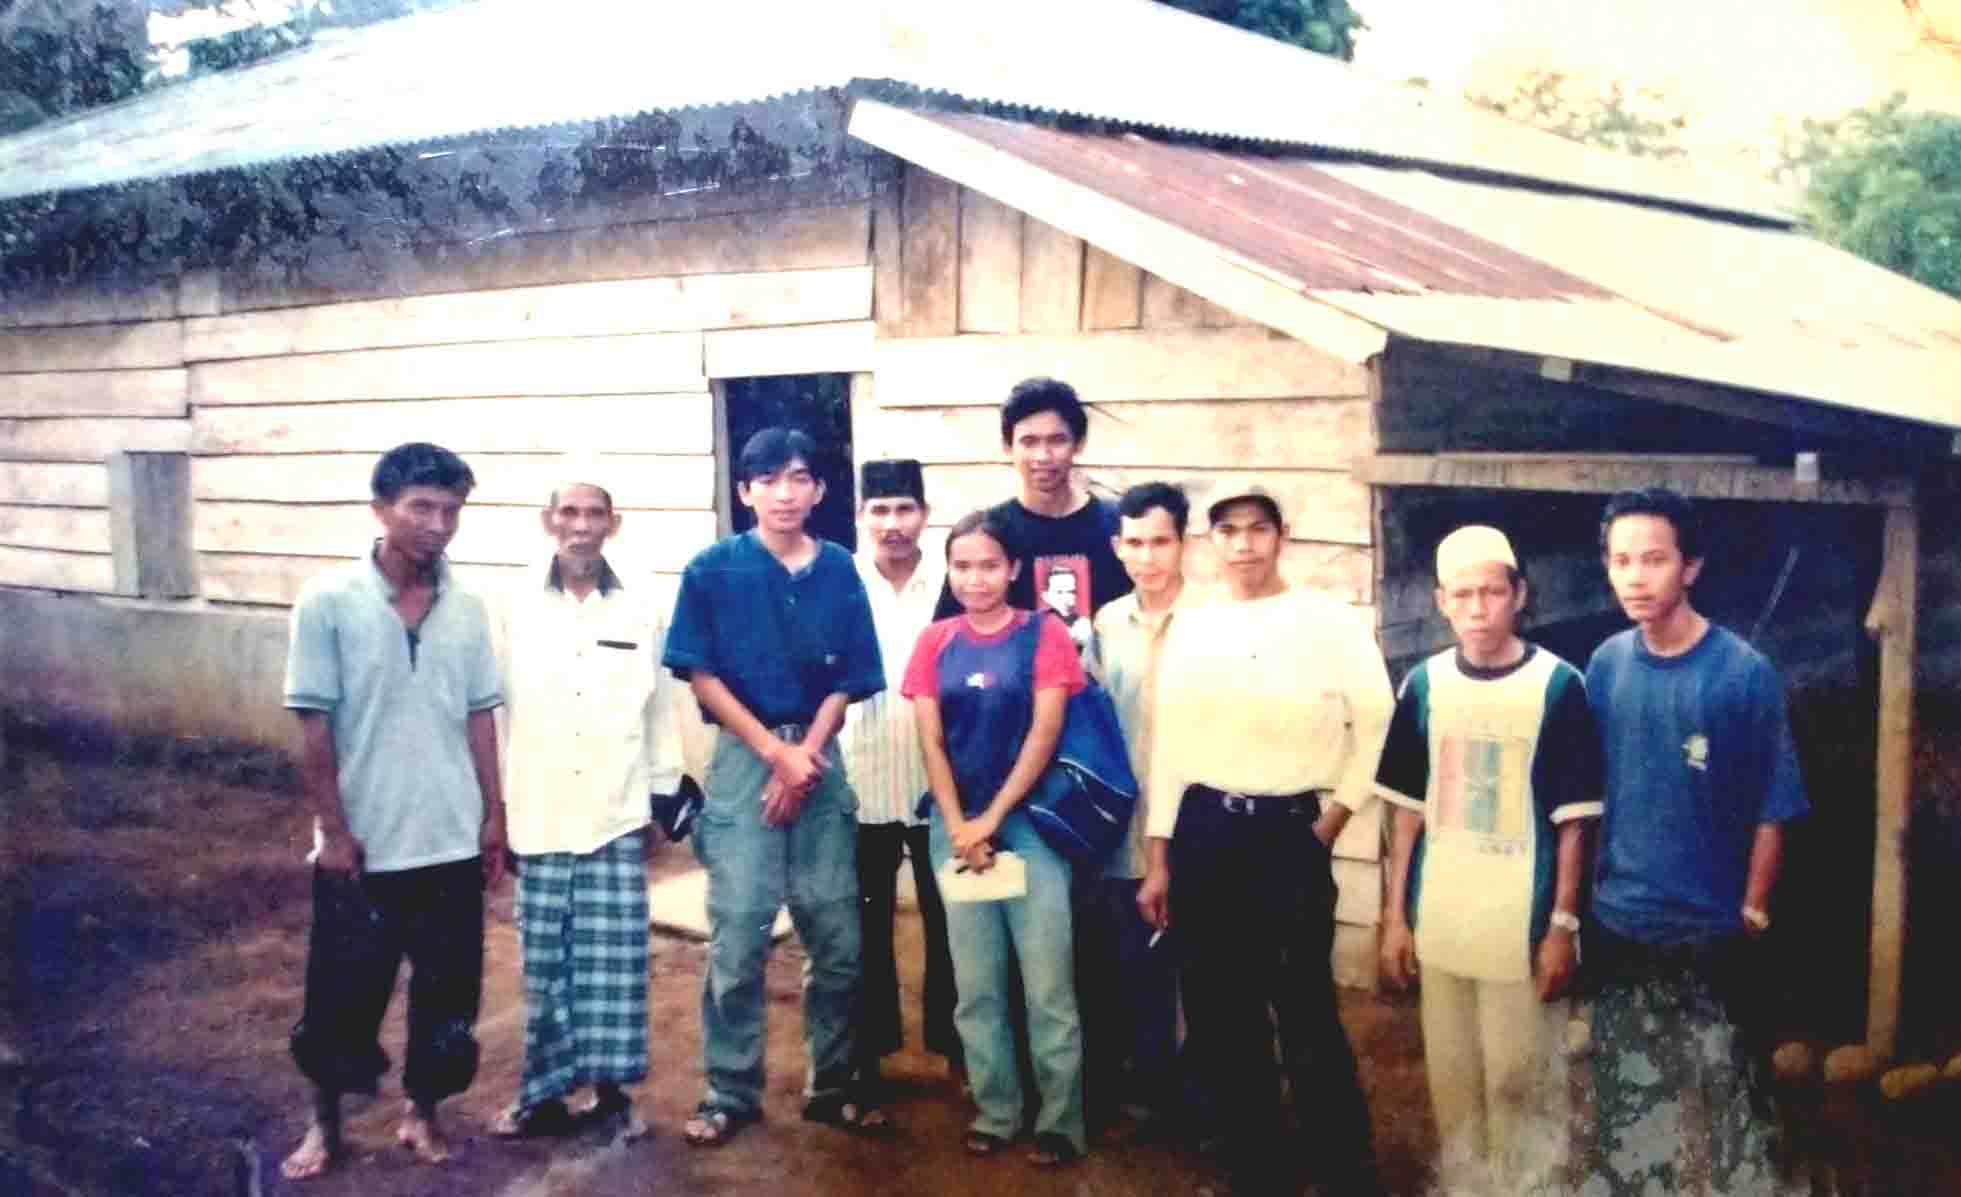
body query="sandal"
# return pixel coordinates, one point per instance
(980, 1143)
(848, 1113)
(548, 1119)
(1053, 1151)
(712, 1126)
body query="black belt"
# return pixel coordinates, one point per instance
(790, 731)
(1306, 803)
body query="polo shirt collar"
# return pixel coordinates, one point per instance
(386, 588)
(608, 580)
(868, 573)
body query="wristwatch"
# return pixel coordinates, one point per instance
(1756, 919)
(1566, 920)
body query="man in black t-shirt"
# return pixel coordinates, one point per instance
(1057, 528)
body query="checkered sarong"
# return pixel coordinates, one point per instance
(582, 920)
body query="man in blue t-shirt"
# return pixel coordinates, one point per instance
(773, 632)
(1701, 776)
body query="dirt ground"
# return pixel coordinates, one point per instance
(157, 920)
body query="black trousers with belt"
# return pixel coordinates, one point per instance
(1252, 907)
(881, 847)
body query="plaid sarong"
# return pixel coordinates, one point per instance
(582, 920)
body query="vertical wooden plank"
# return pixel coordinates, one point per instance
(1167, 305)
(198, 294)
(929, 265)
(1051, 278)
(1112, 291)
(1211, 315)
(1892, 620)
(150, 524)
(990, 264)
(888, 264)
(718, 392)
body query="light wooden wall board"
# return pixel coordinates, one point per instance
(275, 580)
(95, 393)
(675, 422)
(1112, 292)
(990, 265)
(80, 305)
(1051, 279)
(676, 303)
(54, 484)
(930, 257)
(150, 345)
(1167, 305)
(514, 479)
(46, 569)
(76, 529)
(799, 349)
(558, 366)
(89, 438)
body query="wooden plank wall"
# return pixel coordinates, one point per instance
(973, 296)
(284, 409)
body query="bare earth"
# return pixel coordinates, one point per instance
(157, 927)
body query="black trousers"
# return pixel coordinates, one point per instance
(1252, 904)
(878, 1029)
(362, 928)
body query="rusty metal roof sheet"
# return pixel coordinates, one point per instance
(515, 64)
(1585, 278)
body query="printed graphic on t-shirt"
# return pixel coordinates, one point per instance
(1062, 585)
(1695, 752)
(1481, 788)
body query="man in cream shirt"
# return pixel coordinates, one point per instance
(1272, 706)
(590, 739)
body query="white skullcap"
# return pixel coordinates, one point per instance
(1473, 544)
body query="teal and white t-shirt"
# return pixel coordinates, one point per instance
(1495, 759)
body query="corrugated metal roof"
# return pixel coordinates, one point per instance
(1588, 279)
(504, 64)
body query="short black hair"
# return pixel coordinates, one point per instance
(419, 463)
(1658, 501)
(1031, 396)
(1144, 496)
(984, 521)
(773, 448)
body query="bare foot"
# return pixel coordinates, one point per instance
(421, 1135)
(315, 1154)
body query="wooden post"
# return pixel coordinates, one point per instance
(150, 524)
(1891, 622)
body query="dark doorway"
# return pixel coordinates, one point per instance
(819, 404)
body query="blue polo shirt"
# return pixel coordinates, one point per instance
(781, 642)
(399, 705)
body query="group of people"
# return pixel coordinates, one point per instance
(893, 707)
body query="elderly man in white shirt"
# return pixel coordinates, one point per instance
(591, 738)
(881, 751)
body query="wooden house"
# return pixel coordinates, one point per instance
(1255, 263)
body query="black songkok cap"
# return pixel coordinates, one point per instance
(892, 478)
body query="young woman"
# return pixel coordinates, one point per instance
(988, 687)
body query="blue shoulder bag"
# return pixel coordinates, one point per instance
(1083, 802)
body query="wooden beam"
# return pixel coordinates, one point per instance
(1112, 291)
(150, 516)
(636, 481)
(1892, 622)
(930, 260)
(151, 345)
(89, 438)
(1051, 279)
(1816, 419)
(559, 366)
(1157, 245)
(676, 423)
(673, 304)
(48, 569)
(1603, 475)
(54, 484)
(94, 393)
(990, 265)
(273, 580)
(791, 349)
(1197, 363)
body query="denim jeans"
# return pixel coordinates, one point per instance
(987, 939)
(753, 870)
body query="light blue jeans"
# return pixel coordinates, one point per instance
(1034, 930)
(754, 869)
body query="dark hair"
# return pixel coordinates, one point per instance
(1035, 395)
(773, 448)
(986, 523)
(1659, 501)
(419, 463)
(1139, 500)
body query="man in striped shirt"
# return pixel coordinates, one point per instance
(882, 758)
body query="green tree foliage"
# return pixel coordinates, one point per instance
(1885, 184)
(1637, 121)
(61, 56)
(1324, 26)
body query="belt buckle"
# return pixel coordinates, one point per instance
(1236, 804)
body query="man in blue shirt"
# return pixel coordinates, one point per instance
(773, 632)
(1701, 776)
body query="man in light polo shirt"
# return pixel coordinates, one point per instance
(1271, 712)
(882, 758)
(591, 737)
(392, 676)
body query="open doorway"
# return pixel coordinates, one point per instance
(819, 404)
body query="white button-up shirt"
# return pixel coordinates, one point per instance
(590, 729)
(880, 740)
